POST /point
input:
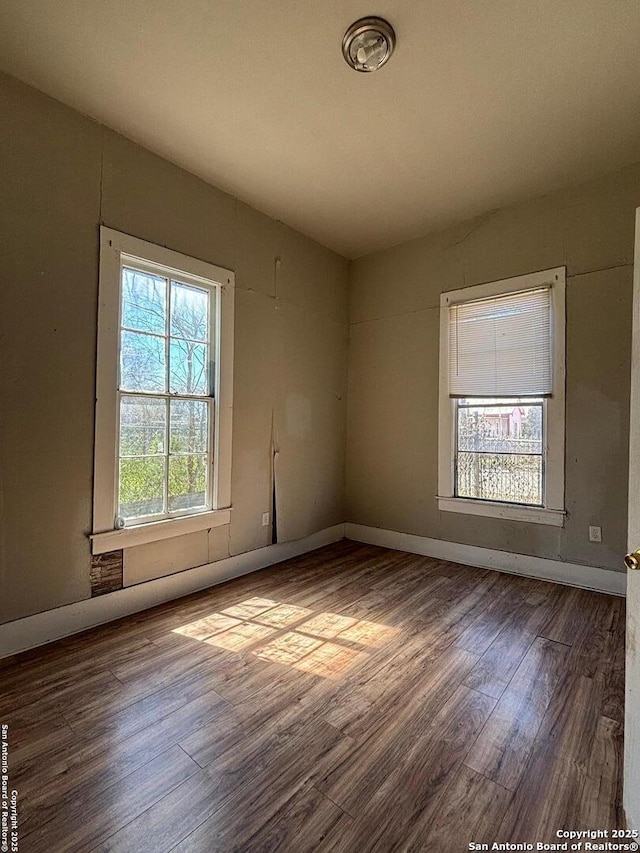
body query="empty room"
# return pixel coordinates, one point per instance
(319, 426)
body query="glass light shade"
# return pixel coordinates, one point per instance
(368, 44)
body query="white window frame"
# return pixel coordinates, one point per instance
(116, 250)
(553, 511)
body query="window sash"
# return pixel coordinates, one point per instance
(211, 343)
(469, 403)
(167, 455)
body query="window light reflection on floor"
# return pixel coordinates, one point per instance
(323, 644)
(240, 637)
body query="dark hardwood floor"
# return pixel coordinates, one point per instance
(353, 699)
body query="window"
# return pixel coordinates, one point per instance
(501, 434)
(164, 385)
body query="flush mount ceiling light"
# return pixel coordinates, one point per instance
(368, 44)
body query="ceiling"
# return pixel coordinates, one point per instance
(484, 102)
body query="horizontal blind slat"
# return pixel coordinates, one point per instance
(501, 346)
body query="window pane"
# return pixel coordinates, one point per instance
(500, 426)
(499, 450)
(141, 486)
(500, 477)
(187, 482)
(189, 312)
(189, 368)
(144, 301)
(142, 362)
(142, 426)
(189, 426)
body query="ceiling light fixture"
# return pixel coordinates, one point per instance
(368, 44)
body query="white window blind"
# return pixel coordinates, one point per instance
(501, 346)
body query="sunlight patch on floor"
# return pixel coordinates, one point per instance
(309, 655)
(282, 616)
(251, 608)
(307, 648)
(240, 637)
(204, 628)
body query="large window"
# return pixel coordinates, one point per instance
(163, 427)
(501, 432)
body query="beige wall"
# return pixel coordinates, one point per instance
(61, 175)
(393, 378)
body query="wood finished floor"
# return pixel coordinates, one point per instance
(354, 699)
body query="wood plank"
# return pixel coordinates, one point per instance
(497, 666)
(458, 607)
(501, 751)
(601, 802)
(235, 796)
(551, 792)
(277, 709)
(613, 669)
(85, 817)
(28, 725)
(385, 743)
(469, 809)
(55, 690)
(158, 666)
(102, 763)
(573, 613)
(386, 683)
(307, 823)
(41, 743)
(412, 784)
(592, 648)
(162, 826)
(122, 718)
(482, 632)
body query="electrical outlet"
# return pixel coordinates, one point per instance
(595, 534)
(266, 518)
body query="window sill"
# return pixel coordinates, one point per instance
(531, 514)
(154, 531)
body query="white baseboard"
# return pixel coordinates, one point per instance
(63, 621)
(571, 574)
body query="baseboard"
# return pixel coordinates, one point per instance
(570, 574)
(41, 628)
(63, 621)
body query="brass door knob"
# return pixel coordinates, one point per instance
(632, 561)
